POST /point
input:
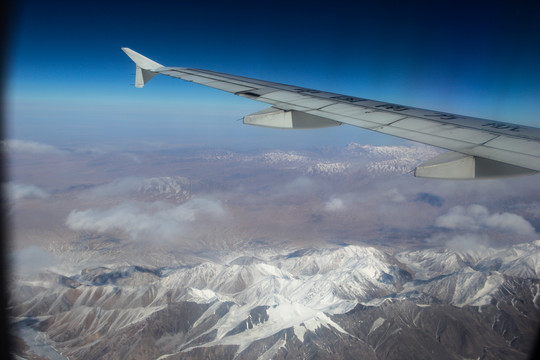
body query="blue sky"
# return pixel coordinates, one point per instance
(68, 81)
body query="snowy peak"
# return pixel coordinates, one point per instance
(418, 152)
(365, 159)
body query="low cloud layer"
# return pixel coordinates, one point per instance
(351, 200)
(468, 242)
(31, 147)
(17, 192)
(334, 204)
(300, 185)
(477, 217)
(32, 260)
(153, 221)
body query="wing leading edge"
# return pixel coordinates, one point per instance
(479, 148)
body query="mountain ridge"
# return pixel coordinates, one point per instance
(292, 298)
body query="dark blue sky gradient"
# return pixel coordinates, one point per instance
(69, 81)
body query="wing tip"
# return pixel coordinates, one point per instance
(140, 60)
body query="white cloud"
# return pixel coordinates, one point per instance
(468, 243)
(394, 195)
(32, 147)
(510, 222)
(32, 260)
(153, 221)
(17, 191)
(334, 204)
(477, 217)
(300, 185)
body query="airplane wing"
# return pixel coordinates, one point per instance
(479, 148)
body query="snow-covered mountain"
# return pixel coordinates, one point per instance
(416, 152)
(307, 303)
(391, 159)
(364, 159)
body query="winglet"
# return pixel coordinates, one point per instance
(145, 67)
